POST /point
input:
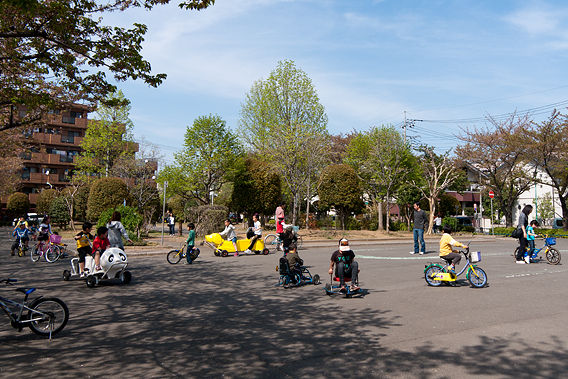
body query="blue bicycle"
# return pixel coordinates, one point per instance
(552, 255)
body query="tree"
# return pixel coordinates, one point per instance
(339, 188)
(131, 220)
(80, 200)
(105, 193)
(546, 207)
(383, 162)
(18, 204)
(53, 53)
(498, 152)
(59, 213)
(257, 188)
(439, 172)
(448, 205)
(283, 122)
(549, 150)
(11, 151)
(45, 199)
(107, 138)
(201, 167)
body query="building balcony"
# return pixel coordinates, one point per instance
(52, 159)
(43, 179)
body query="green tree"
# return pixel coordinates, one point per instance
(131, 220)
(283, 122)
(18, 204)
(56, 52)
(107, 138)
(45, 199)
(105, 193)
(499, 152)
(201, 167)
(549, 151)
(80, 202)
(448, 205)
(339, 188)
(546, 207)
(59, 213)
(257, 188)
(383, 162)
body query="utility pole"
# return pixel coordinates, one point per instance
(408, 123)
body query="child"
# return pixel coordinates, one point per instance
(257, 228)
(21, 232)
(345, 265)
(530, 239)
(230, 234)
(44, 229)
(294, 260)
(190, 242)
(100, 244)
(446, 248)
(83, 239)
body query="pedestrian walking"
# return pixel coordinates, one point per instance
(116, 231)
(522, 225)
(420, 224)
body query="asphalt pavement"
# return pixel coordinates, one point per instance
(224, 317)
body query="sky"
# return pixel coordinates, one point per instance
(447, 63)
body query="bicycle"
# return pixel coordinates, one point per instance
(435, 273)
(22, 248)
(46, 316)
(552, 255)
(273, 241)
(50, 251)
(174, 256)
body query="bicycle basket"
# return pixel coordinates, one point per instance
(475, 256)
(551, 240)
(55, 239)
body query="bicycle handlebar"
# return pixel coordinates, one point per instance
(9, 281)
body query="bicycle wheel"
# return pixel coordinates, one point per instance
(53, 253)
(478, 278)
(20, 251)
(47, 316)
(36, 254)
(174, 257)
(430, 273)
(299, 242)
(553, 256)
(271, 242)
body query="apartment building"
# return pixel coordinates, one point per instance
(51, 150)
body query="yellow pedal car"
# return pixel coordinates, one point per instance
(222, 247)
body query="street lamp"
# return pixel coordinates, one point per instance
(47, 182)
(164, 210)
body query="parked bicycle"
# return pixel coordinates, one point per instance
(552, 255)
(273, 242)
(45, 316)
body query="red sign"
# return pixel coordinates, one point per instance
(491, 194)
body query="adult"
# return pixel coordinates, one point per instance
(171, 223)
(279, 214)
(438, 224)
(522, 224)
(420, 223)
(345, 265)
(116, 231)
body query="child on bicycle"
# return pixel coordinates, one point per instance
(44, 229)
(530, 239)
(83, 239)
(447, 243)
(21, 232)
(230, 234)
(190, 242)
(100, 244)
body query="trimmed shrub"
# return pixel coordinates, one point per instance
(18, 204)
(131, 220)
(208, 218)
(45, 199)
(59, 213)
(105, 193)
(451, 222)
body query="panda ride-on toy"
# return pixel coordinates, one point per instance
(223, 248)
(295, 278)
(113, 265)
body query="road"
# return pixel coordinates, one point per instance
(223, 317)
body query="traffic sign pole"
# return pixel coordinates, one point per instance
(491, 196)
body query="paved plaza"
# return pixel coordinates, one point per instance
(223, 317)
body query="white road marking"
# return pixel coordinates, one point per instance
(546, 271)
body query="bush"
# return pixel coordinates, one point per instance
(18, 204)
(352, 223)
(399, 226)
(45, 199)
(80, 203)
(451, 222)
(59, 213)
(105, 193)
(208, 218)
(131, 220)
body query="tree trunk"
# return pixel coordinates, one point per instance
(432, 203)
(308, 206)
(564, 206)
(388, 213)
(380, 215)
(295, 209)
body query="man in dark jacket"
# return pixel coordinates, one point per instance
(420, 224)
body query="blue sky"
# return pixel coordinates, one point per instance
(369, 61)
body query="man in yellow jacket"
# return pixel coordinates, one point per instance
(447, 243)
